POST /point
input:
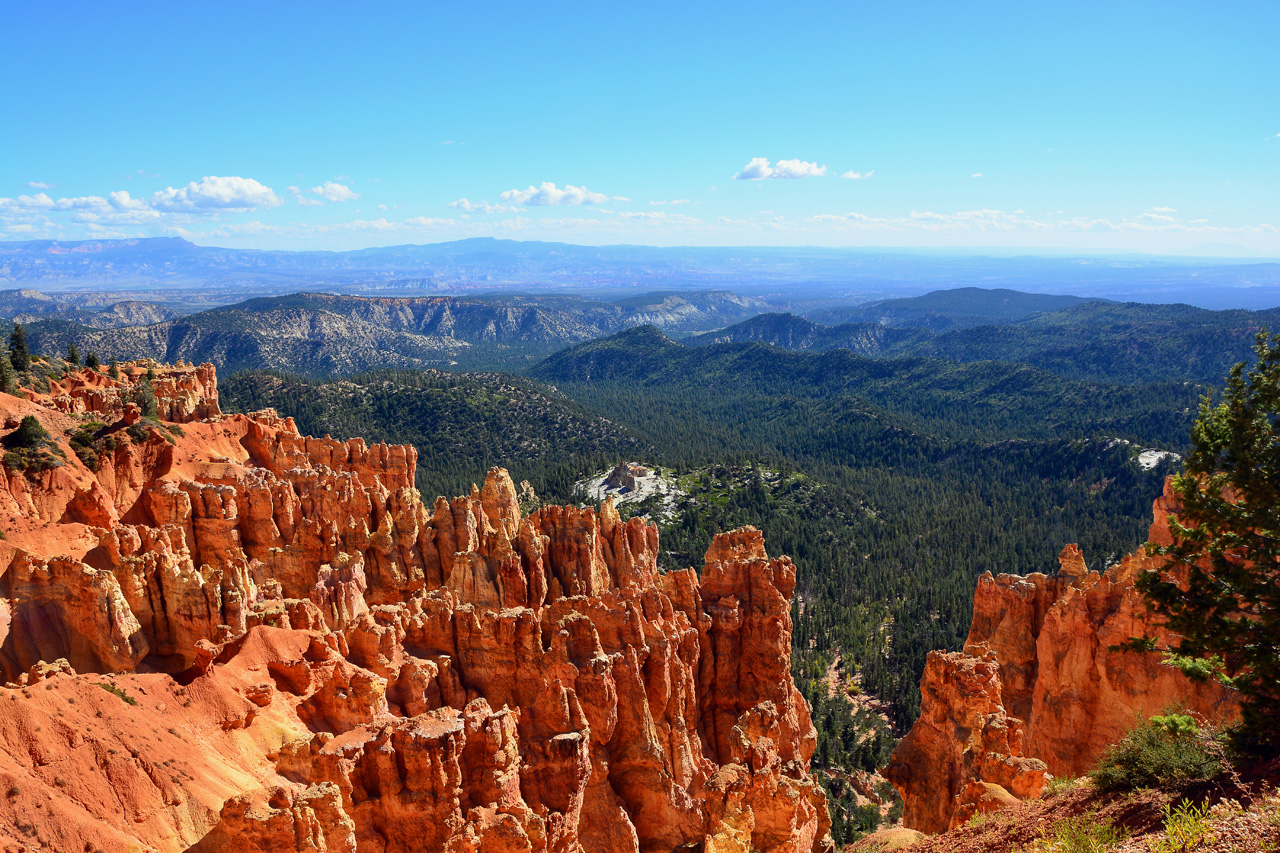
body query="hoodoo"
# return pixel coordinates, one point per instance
(1039, 688)
(221, 635)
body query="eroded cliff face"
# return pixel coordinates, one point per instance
(232, 637)
(1038, 667)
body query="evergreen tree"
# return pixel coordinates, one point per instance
(28, 434)
(144, 395)
(19, 355)
(1227, 540)
(114, 370)
(73, 354)
(91, 361)
(8, 382)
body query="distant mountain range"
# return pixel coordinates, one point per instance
(792, 278)
(325, 334)
(957, 308)
(1117, 342)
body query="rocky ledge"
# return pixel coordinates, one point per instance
(1039, 689)
(227, 636)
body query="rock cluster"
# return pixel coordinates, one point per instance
(1039, 688)
(304, 657)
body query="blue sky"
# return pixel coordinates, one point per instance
(1114, 126)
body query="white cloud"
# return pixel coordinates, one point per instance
(549, 194)
(1164, 209)
(213, 193)
(858, 176)
(36, 202)
(976, 175)
(482, 206)
(335, 192)
(798, 169)
(756, 170)
(1156, 217)
(674, 202)
(39, 185)
(759, 169)
(302, 200)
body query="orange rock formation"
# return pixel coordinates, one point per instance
(232, 637)
(1038, 688)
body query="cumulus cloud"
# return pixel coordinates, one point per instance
(335, 192)
(759, 169)
(39, 185)
(549, 194)
(213, 193)
(170, 207)
(1164, 209)
(858, 176)
(1156, 217)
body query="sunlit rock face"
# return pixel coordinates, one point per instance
(1038, 670)
(228, 636)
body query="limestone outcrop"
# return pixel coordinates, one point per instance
(1040, 667)
(304, 656)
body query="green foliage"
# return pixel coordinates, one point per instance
(1185, 827)
(91, 361)
(8, 382)
(145, 396)
(1081, 834)
(1164, 750)
(29, 434)
(1227, 541)
(88, 443)
(461, 424)
(73, 354)
(116, 691)
(114, 369)
(19, 354)
(1057, 785)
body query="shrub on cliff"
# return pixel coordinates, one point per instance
(29, 434)
(19, 354)
(1164, 750)
(1227, 540)
(145, 396)
(29, 448)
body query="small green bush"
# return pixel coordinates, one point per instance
(1081, 834)
(1057, 785)
(116, 691)
(1184, 828)
(1163, 750)
(29, 434)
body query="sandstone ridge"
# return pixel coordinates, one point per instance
(227, 636)
(1038, 689)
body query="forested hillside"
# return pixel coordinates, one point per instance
(322, 334)
(461, 423)
(892, 482)
(1132, 343)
